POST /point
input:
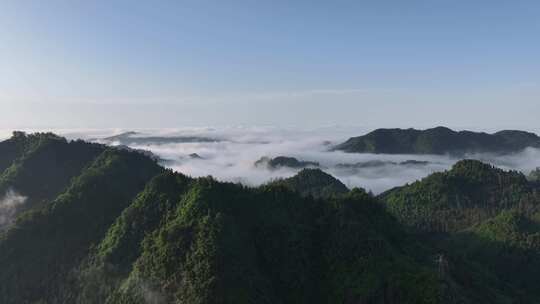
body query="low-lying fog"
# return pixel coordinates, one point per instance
(229, 154)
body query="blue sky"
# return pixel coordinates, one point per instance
(308, 63)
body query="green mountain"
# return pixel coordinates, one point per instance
(124, 230)
(40, 166)
(208, 240)
(40, 252)
(439, 140)
(506, 246)
(314, 182)
(117, 228)
(485, 220)
(12, 148)
(468, 193)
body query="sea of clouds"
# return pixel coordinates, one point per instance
(232, 155)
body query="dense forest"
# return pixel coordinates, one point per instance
(439, 140)
(88, 223)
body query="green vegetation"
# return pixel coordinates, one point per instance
(467, 194)
(44, 247)
(43, 166)
(268, 245)
(508, 246)
(439, 140)
(114, 227)
(12, 148)
(314, 182)
(486, 219)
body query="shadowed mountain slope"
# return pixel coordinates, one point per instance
(42, 167)
(40, 252)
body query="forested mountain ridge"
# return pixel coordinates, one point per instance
(485, 218)
(39, 166)
(125, 230)
(439, 140)
(506, 246)
(468, 193)
(39, 252)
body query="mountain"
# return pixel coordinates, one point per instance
(44, 247)
(506, 246)
(147, 153)
(381, 163)
(284, 161)
(314, 182)
(485, 220)
(135, 138)
(195, 156)
(114, 227)
(439, 140)
(202, 240)
(455, 199)
(125, 230)
(11, 148)
(38, 167)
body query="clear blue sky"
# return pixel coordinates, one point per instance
(172, 63)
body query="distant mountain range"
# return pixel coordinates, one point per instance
(382, 163)
(87, 223)
(136, 138)
(294, 163)
(439, 140)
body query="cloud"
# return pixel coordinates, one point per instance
(8, 206)
(232, 158)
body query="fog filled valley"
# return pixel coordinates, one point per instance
(231, 154)
(266, 215)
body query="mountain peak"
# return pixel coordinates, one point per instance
(438, 140)
(314, 182)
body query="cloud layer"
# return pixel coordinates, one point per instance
(232, 157)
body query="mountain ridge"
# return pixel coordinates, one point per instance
(438, 140)
(126, 230)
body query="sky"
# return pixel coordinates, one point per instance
(162, 64)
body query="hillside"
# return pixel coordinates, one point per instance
(508, 247)
(214, 240)
(468, 193)
(485, 219)
(39, 253)
(314, 182)
(439, 140)
(122, 229)
(117, 235)
(38, 167)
